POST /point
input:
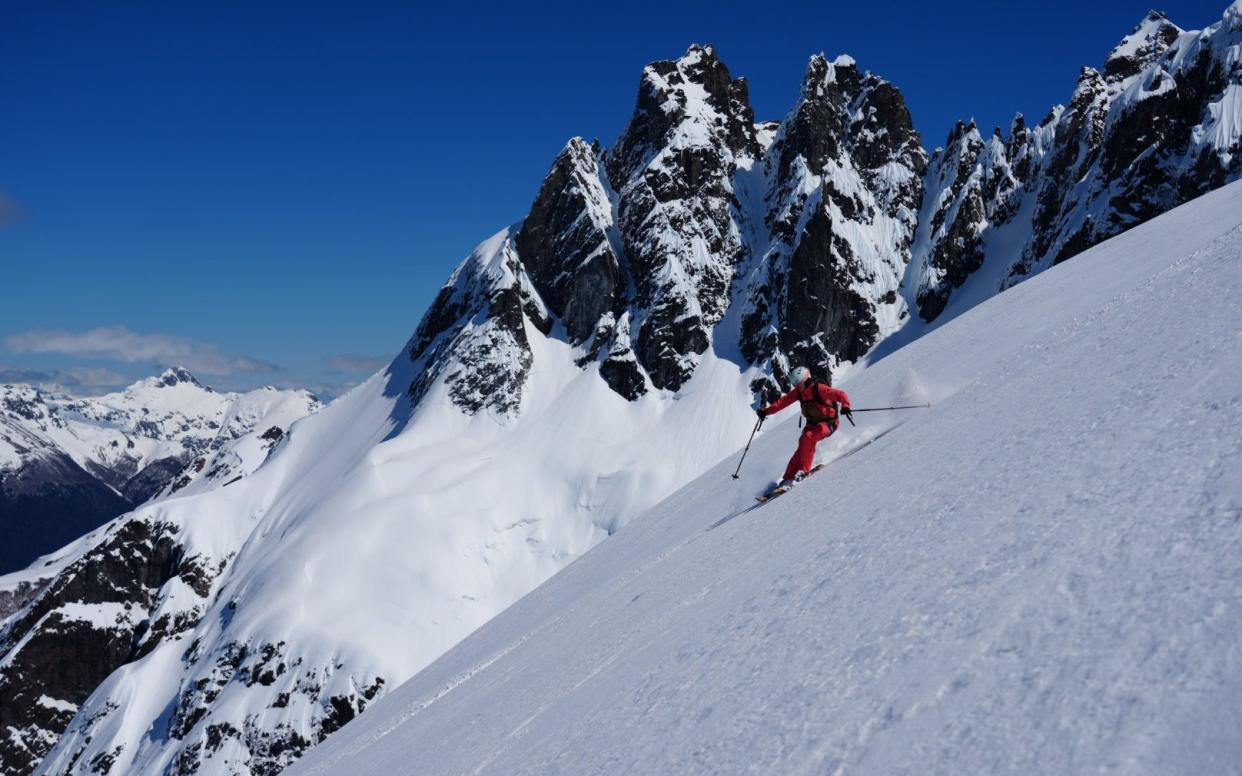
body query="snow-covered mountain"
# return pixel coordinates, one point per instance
(1021, 579)
(1160, 124)
(578, 367)
(68, 464)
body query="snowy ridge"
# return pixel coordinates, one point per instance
(79, 611)
(1159, 125)
(1020, 579)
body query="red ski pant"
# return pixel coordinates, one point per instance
(804, 457)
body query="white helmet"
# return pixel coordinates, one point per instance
(801, 375)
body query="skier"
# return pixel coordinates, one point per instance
(820, 407)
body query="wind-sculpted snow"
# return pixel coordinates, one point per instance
(1036, 575)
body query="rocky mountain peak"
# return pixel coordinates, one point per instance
(701, 65)
(961, 131)
(844, 189)
(1017, 127)
(567, 244)
(1149, 39)
(1156, 126)
(178, 375)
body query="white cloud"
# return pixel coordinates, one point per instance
(91, 377)
(119, 343)
(76, 379)
(9, 374)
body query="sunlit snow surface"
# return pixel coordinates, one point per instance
(1040, 574)
(373, 540)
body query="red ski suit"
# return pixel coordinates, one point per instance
(818, 401)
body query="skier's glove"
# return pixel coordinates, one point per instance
(762, 412)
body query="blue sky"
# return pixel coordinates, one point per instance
(274, 194)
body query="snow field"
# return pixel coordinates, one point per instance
(1039, 574)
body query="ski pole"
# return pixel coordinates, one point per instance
(904, 407)
(747, 450)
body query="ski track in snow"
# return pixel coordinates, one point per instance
(1038, 574)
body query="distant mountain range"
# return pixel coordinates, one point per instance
(69, 464)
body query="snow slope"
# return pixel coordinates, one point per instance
(1039, 574)
(369, 542)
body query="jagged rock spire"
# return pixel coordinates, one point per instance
(845, 185)
(1149, 39)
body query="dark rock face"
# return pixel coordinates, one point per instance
(151, 479)
(846, 186)
(1142, 47)
(272, 748)
(177, 375)
(1152, 130)
(672, 170)
(1082, 124)
(13, 600)
(87, 622)
(975, 187)
(566, 245)
(636, 251)
(475, 333)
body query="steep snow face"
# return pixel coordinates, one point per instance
(1159, 125)
(268, 612)
(1021, 579)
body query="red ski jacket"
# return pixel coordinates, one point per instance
(819, 402)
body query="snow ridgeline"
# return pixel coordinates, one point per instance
(1039, 574)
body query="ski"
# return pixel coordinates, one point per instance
(779, 491)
